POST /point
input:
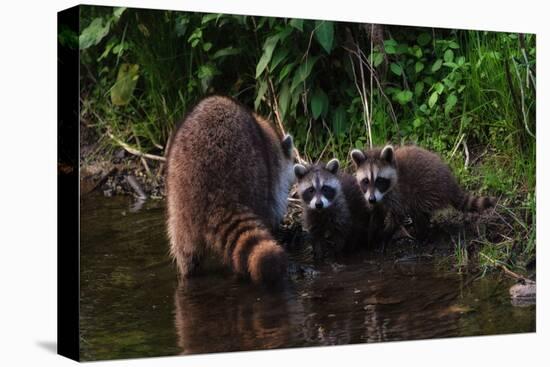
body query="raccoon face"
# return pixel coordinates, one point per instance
(318, 185)
(376, 172)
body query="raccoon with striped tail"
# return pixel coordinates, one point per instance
(228, 175)
(335, 211)
(408, 181)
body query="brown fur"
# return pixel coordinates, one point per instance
(423, 184)
(341, 226)
(227, 180)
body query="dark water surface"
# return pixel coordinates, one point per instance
(132, 305)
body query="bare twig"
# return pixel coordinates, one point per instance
(457, 145)
(276, 107)
(135, 151)
(143, 161)
(363, 98)
(373, 73)
(507, 271)
(523, 112)
(368, 108)
(132, 181)
(467, 153)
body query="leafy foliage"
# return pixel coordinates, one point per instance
(456, 92)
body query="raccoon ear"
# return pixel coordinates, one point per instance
(357, 157)
(387, 154)
(287, 145)
(299, 171)
(333, 165)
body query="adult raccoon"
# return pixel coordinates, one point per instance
(227, 180)
(335, 210)
(409, 182)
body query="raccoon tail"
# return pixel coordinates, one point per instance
(248, 247)
(471, 203)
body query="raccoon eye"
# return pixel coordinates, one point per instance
(365, 181)
(310, 190)
(328, 192)
(382, 183)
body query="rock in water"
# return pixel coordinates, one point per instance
(524, 294)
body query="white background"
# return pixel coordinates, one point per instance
(28, 144)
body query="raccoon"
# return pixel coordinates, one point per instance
(409, 182)
(335, 210)
(228, 175)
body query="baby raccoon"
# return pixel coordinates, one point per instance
(335, 211)
(408, 182)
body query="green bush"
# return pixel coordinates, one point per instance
(469, 95)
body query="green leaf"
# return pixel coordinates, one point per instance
(396, 68)
(454, 45)
(378, 58)
(403, 97)
(301, 74)
(284, 99)
(319, 103)
(285, 71)
(433, 99)
(117, 12)
(401, 48)
(260, 95)
(437, 65)
(390, 46)
(418, 88)
(324, 33)
(228, 51)
(451, 65)
(339, 120)
(126, 81)
(206, 73)
(108, 48)
(418, 67)
(209, 17)
(416, 51)
(448, 55)
(423, 39)
(207, 46)
(417, 122)
(450, 103)
(298, 24)
(278, 56)
(94, 33)
(438, 87)
(269, 46)
(181, 25)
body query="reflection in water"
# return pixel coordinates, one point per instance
(132, 305)
(214, 316)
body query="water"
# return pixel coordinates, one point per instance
(132, 305)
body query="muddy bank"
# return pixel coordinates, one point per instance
(456, 238)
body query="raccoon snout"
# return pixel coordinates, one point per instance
(372, 199)
(319, 205)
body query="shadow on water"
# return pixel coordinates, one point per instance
(132, 305)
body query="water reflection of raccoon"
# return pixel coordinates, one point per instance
(335, 211)
(227, 180)
(409, 182)
(223, 317)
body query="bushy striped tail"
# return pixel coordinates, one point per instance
(248, 247)
(472, 203)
